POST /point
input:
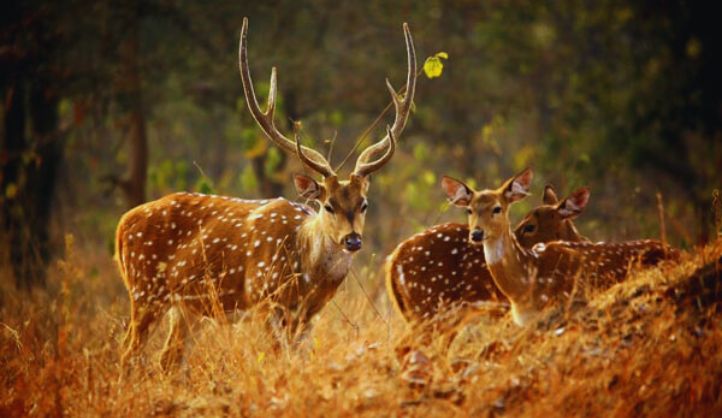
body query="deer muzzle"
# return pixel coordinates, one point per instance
(476, 236)
(352, 242)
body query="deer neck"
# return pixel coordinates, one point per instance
(510, 266)
(572, 233)
(322, 258)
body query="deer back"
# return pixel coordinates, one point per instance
(598, 265)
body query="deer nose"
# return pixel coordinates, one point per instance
(352, 241)
(477, 235)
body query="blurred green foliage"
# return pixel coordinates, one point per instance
(622, 97)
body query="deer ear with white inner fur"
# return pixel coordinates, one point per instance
(459, 194)
(574, 204)
(307, 187)
(518, 186)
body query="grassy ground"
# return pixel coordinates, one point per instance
(649, 347)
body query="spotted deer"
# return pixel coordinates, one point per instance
(546, 273)
(438, 269)
(184, 251)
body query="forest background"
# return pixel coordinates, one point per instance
(107, 104)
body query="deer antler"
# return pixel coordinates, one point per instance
(364, 169)
(402, 107)
(323, 169)
(265, 119)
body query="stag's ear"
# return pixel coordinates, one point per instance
(308, 188)
(549, 198)
(517, 187)
(574, 204)
(458, 193)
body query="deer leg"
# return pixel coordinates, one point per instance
(302, 331)
(172, 351)
(140, 321)
(277, 323)
(301, 341)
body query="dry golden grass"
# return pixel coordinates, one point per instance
(649, 347)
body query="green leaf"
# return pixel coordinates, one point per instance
(433, 66)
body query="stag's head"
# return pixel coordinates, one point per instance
(343, 202)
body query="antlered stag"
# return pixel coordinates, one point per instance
(189, 252)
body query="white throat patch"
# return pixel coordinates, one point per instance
(330, 258)
(494, 251)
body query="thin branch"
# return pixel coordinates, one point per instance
(373, 126)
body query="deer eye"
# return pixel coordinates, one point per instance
(496, 210)
(468, 210)
(528, 229)
(328, 208)
(364, 206)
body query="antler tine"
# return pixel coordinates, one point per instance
(401, 107)
(364, 169)
(265, 119)
(323, 169)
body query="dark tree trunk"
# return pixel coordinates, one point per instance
(28, 175)
(138, 159)
(30, 148)
(129, 91)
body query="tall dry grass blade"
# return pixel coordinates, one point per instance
(717, 209)
(662, 222)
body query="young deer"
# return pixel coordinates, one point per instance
(201, 254)
(437, 269)
(546, 273)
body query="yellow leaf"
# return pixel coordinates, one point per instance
(433, 66)
(261, 356)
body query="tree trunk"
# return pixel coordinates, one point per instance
(138, 160)
(28, 176)
(129, 90)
